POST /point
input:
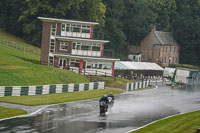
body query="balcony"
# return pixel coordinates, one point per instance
(106, 53)
(96, 35)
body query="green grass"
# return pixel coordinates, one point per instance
(111, 82)
(16, 41)
(18, 68)
(10, 112)
(186, 66)
(57, 98)
(185, 123)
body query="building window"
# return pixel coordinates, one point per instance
(52, 45)
(98, 65)
(170, 49)
(62, 63)
(85, 29)
(50, 63)
(74, 46)
(53, 29)
(64, 46)
(164, 59)
(163, 50)
(63, 27)
(74, 63)
(76, 28)
(86, 46)
(174, 49)
(96, 48)
(176, 60)
(78, 47)
(68, 28)
(134, 57)
(166, 49)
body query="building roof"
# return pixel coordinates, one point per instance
(80, 39)
(165, 38)
(129, 65)
(65, 20)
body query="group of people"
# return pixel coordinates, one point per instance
(105, 98)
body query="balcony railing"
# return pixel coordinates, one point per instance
(96, 35)
(106, 53)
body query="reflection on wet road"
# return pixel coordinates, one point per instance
(130, 111)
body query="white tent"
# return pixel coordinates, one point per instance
(128, 65)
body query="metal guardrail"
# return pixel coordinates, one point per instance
(21, 48)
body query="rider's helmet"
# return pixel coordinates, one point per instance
(105, 95)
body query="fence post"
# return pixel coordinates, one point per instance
(105, 74)
(96, 73)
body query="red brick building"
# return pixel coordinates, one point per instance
(70, 44)
(160, 47)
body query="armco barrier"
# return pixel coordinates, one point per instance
(137, 85)
(48, 89)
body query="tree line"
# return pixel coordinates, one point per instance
(123, 22)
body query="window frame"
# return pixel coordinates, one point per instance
(64, 44)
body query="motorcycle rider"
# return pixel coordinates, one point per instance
(111, 101)
(111, 95)
(105, 99)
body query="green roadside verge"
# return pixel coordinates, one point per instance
(57, 98)
(113, 82)
(184, 123)
(10, 112)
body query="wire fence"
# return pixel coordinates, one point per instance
(21, 48)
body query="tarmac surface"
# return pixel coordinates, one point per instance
(131, 110)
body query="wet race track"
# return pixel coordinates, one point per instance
(130, 111)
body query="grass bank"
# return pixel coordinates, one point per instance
(185, 123)
(21, 69)
(112, 82)
(57, 98)
(17, 42)
(10, 112)
(186, 66)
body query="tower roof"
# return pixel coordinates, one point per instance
(65, 20)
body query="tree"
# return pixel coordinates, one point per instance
(20, 16)
(165, 11)
(186, 27)
(138, 19)
(113, 25)
(10, 11)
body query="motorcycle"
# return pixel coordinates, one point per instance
(110, 102)
(103, 108)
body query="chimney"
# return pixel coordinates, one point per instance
(153, 28)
